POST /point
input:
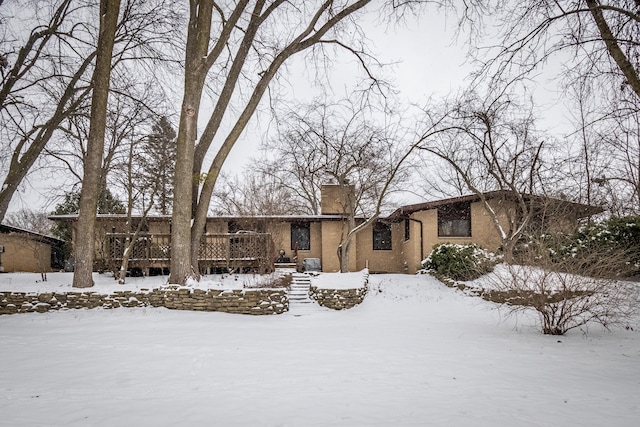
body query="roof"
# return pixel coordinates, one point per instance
(6, 229)
(581, 209)
(292, 218)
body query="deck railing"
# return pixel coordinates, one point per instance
(228, 250)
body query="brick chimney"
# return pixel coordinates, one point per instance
(337, 199)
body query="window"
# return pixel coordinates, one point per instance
(300, 236)
(381, 236)
(232, 226)
(454, 220)
(407, 229)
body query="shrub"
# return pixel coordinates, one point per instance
(459, 262)
(617, 238)
(567, 294)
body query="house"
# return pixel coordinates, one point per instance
(27, 251)
(465, 219)
(396, 243)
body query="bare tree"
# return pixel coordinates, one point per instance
(602, 157)
(46, 74)
(130, 113)
(325, 142)
(41, 86)
(598, 37)
(491, 145)
(27, 219)
(254, 193)
(251, 43)
(84, 247)
(596, 44)
(338, 143)
(141, 187)
(618, 174)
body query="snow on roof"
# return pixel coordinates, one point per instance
(73, 217)
(4, 228)
(578, 208)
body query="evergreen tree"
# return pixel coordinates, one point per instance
(159, 163)
(107, 204)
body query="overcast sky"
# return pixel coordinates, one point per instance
(427, 62)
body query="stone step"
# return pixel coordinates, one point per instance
(299, 302)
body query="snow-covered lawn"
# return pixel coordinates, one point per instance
(105, 283)
(415, 353)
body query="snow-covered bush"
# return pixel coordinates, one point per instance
(617, 238)
(459, 262)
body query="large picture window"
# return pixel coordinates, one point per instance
(454, 220)
(381, 236)
(300, 236)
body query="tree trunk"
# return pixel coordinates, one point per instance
(185, 241)
(611, 42)
(130, 243)
(124, 266)
(195, 72)
(343, 254)
(84, 246)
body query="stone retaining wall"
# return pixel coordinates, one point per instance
(339, 299)
(510, 297)
(254, 301)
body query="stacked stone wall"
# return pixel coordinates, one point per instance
(511, 297)
(254, 301)
(339, 299)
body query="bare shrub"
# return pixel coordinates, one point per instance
(268, 281)
(566, 294)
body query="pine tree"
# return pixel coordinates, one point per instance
(159, 162)
(107, 204)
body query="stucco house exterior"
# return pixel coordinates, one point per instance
(26, 251)
(395, 243)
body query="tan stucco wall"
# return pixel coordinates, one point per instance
(483, 233)
(333, 199)
(332, 232)
(483, 230)
(281, 235)
(22, 253)
(159, 227)
(216, 226)
(380, 261)
(411, 254)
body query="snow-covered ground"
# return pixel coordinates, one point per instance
(105, 283)
(415, 353)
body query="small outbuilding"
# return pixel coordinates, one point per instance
(28, 251)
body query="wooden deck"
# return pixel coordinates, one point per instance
(229, 252)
